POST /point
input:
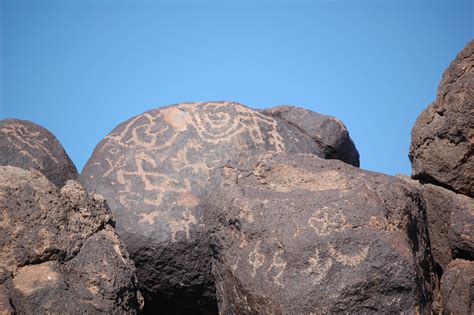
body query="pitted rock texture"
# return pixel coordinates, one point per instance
(152, 170)
(450, 223)
(59, 253)
(328, 132)
(296, 234)
(442, 144)
(30, 146)
(457, 287)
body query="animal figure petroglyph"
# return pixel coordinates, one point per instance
(327, 220)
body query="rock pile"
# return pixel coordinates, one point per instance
(58, 250)
(226, 209)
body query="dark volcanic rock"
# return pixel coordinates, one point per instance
(328, 132)
(59, 253)
(450, 223)
(296, 234)
(442, 138)
(457, 287)
(30, 146)
(152, 170)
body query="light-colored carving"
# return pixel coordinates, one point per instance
(176, 118)
(256, 259)
(318, 269)
(349, 260)
(278, 264)
(327, 220)
(182, 224)
(149, 217)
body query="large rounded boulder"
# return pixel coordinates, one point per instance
(442, 144)
(296, 234)
(329, 133)
(59, 253)
(30, 146)
(153, 169)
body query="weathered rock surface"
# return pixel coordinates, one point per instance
(328, 132)
(450, 223)
(59, 253)
(443, 136)
(152, 170)
(296, 234)
(30, 146)
(457, 287)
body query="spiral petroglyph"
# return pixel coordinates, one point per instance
(153, 168)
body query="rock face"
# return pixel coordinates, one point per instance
(295, 234)
(30, 146)
(457, 287)
(450, 223)
(58, 250)
(330, 134)
(152, 170)
(442, 138)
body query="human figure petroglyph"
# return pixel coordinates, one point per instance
(182, 224)
(256, 259)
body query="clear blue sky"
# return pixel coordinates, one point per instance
(81, 67)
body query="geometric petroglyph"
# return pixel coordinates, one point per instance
(26, 141)
(318, 269)
(349, 260)
(327, 220)
(278, 265)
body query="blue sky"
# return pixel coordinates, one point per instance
(81, 67)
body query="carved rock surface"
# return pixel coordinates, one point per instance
(328, 132)
(450, 223)
(457, 287)
(152, 170)
(296, 234)
(442, 144)
(59, 253)
(30, 146)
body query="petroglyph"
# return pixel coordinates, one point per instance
(149, 217)
(317, 268)
(27, 141)
(256, 259)
(327, 220)
(349, 260)
(182, 224)
(278, 265)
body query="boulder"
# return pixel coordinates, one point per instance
(296, 234)
(30, 146)
(450, 223)
(58, 250)
(329, 133)
(442, 143)
(153, 168)
(457, 287)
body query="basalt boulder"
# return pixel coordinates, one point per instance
(330, 134)
(296, 234)
(59, 253)
(442, 143)
(153, 169)
(30, 146)
(450, 223)
(457, 287)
